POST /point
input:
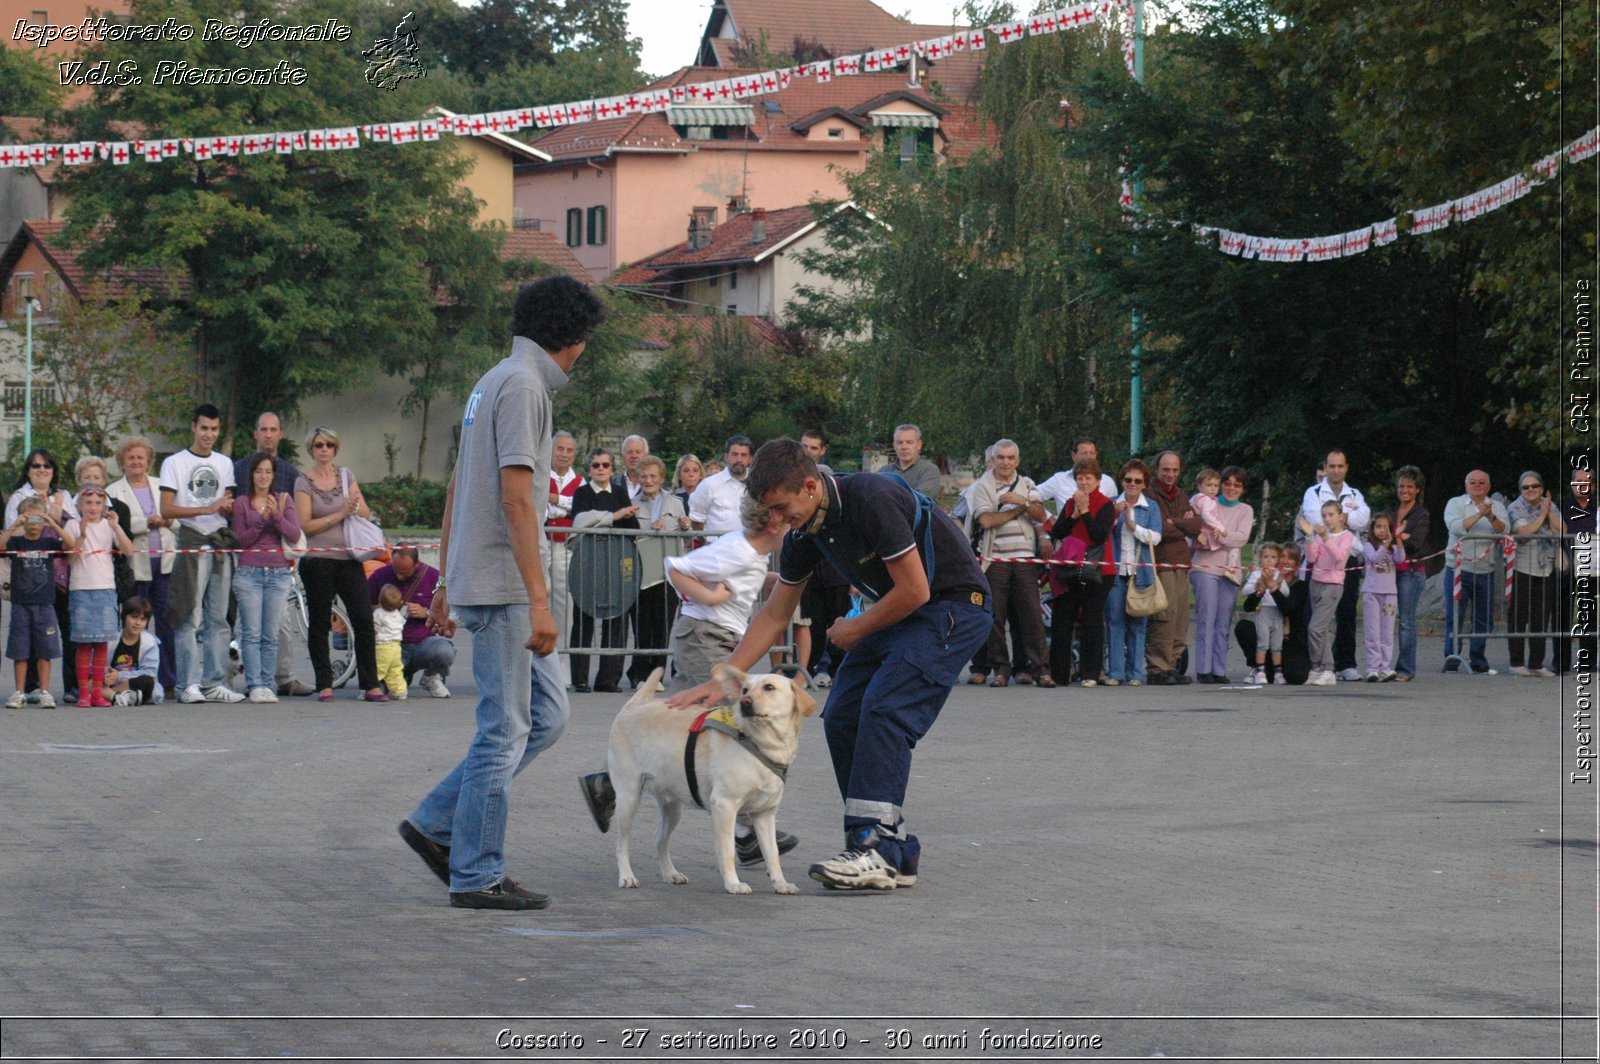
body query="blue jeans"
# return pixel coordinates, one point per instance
(887, 692)
(1124, 635)
(1408, 586)
(435, 654)
(206, 625)
(1476, 610)
(522, 711)
(261, 594)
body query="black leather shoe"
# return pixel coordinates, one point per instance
(605, 689)
(580, 688)
(1162, 679)
(600, 796)
(1180, 678)
(749, 849)
(503, 895)
(435, 856)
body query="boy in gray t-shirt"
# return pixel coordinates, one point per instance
(492, 545)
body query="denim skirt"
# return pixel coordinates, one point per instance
(94, 616)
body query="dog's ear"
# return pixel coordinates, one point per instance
(802, 697)
(730, 679)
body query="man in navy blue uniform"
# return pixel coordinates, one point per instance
(929, 613)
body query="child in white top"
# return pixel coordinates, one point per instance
(1208, 484)
(1266, 579)
(388, 623)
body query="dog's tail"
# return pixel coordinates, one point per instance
(648, 690)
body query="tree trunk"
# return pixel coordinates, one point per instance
(422, 440)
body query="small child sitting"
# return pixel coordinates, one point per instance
(388, 625)
(135, 658)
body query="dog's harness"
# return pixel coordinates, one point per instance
(721, 719)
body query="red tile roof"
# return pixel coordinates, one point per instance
(547, 248)
(120, 281)
(775, 113)
(843, 27)
(731, 242)
(660, 331)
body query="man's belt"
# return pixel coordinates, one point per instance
(962, 594)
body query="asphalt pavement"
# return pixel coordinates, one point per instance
(1200, 872)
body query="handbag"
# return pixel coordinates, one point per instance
(293, 552)
(1146, 601)
(362, 536)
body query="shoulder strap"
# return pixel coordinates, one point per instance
(924, 519)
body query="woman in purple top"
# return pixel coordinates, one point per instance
(265, 522)
(1409, 519)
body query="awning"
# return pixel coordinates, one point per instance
(724, 115)
(916, 119)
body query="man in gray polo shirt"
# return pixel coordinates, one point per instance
(490, 552)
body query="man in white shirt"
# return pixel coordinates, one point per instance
(1475, 523)
(1063, 485)
(714, 506)
(564, 482)
(197, 491)
(1357, 515)
(634, 448)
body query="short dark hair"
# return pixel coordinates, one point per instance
(1086, 465)
(779, 464)
(137, 606)
(410, 552)
(1137, 466)
(737, 441)
(815, 434)
(1239, 473)
(557, 312)
(1081, 440)
(1411, 473)
(205, 410)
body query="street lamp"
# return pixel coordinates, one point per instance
(29, 304)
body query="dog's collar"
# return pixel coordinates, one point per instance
(721, 718)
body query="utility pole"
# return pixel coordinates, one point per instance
(1136, 392)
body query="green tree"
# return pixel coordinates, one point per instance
(28, 85)
(114, 367)
(953, 298)
(304, 269)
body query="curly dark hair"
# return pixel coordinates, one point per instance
(557, 312)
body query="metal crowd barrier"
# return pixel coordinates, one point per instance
(615, 578)
(1487, 597)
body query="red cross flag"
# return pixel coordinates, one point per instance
(1585, 146)
(1229, 242)
(1357, 240)
(977, 41)
(1430, 219)
(8, 158)
(1546, 168)
(285, 143)
(430, 128)
(1009, 31)
(152, 151)
(824, 72)
(378, 132)
(404, 132)
(784, 77)
(846, 65)
(1385, 232)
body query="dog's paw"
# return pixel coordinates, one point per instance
(737, 888)
(627, 883)
(677, 879)
(785, 888)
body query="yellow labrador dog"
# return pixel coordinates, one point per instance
(736, 763)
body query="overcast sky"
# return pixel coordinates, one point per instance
(671, 28)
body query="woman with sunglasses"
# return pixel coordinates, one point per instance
(1536, 524)
(1134, 534)
(601, 504)
(41, 478)
(324, 495)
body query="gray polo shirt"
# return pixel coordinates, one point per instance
(508, 422)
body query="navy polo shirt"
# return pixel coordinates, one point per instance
(871, 521)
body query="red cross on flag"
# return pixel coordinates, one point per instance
(152, 151)
(1229, 242)
(7, 158)
(348, 138)
(378, 132)
(405, 132)
(430, 129)
(846, 65)
(201, 149)
(1546, 168)
(824, 72)
(1357, 240)
(285, 144)
(1009, 31)
(1430, 219)
(784, 77)
(1385, 232)
(318, 140)
(1585, 146)
(71, 155)
(581, 111)
(977, 40)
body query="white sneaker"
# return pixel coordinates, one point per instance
(192, 693)
(46, 700)
(1546, 673)
(859, 870)
(1280, 679)
(399, 696)
(1110, 681)
(433, 683)
(1349, 675)
(17, 700)
(263, 694)
(822, 679)
(1325, 678)
(1521, 670)
(1088, 683)
(219, 693)
(1259, 676)
(130, 697)
(1135, 683)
